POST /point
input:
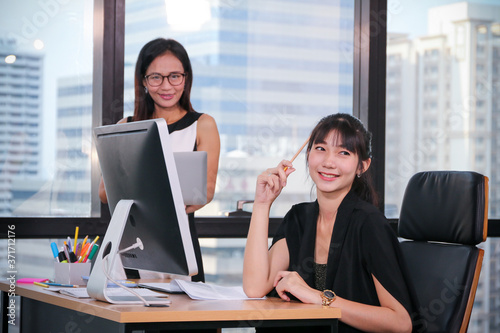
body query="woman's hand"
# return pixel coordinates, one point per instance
(271, 182)
(192, 208)
(292, 282)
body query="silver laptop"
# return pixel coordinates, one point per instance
(192, 171)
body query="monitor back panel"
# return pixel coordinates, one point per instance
(134, 167)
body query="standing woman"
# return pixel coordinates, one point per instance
(338, 250)
(163, 80)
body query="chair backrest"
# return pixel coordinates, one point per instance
(443, 217)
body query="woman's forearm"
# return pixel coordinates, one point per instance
(373, 318)
(256, 280)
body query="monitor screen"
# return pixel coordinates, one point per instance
(137, 164)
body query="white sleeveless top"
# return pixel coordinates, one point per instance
(183, 132)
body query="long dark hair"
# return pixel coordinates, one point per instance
(144, 104)
(355, 138)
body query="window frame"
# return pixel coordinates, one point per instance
(369, 79)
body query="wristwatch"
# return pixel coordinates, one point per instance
(328, 297)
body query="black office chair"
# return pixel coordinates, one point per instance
(444, 215)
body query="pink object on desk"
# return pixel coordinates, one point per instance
(31, 280)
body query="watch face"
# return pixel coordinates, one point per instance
(328, 294)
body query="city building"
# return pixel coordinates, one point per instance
(20, 122)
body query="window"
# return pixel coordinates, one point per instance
(406, 143)
(464, 135)
(46, 64)
(267, 71)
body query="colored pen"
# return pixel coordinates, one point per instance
(41, 284)
(66, 252)
(76, 239)
(69, 244)
(72, 257)
(78, 250)
(84, 252)
(94, 241)
(70, 254)
(55, 251)
(62, 255)
(88, 253)
(90, 248)
(53, 284)
(93, 252)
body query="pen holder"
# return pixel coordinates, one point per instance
(67, 273)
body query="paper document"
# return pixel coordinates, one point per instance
(200, 290)
(82, 292)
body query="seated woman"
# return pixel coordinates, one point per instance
(338, 250)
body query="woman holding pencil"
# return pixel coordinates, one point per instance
(337, 251)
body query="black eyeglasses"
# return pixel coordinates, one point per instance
(156, 79)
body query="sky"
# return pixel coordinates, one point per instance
(410, 16)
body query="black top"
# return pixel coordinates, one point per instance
(319, 276)
(362, 244)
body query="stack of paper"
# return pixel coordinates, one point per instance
(82, 292)
(199, 290)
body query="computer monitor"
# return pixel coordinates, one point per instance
(146, 203)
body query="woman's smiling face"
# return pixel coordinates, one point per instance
(165, 96)
(331, 166)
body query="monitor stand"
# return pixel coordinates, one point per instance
(109, 258)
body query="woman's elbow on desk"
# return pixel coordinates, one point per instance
(254, 290)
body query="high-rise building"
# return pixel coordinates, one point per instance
(20, 123)
(442, 112)
(72, 181)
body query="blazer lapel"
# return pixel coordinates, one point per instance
(338, 236)
(306, 255)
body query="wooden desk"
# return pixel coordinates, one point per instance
(48, 311)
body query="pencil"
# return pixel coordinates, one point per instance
(298, 151)
(94, 241)
(41, 284)
(61, 285)
(76, 239)
(85, 240)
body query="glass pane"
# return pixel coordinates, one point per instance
(443, 110)
(30, 258)
(45, 108)
(223, 260)
(267, 71)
